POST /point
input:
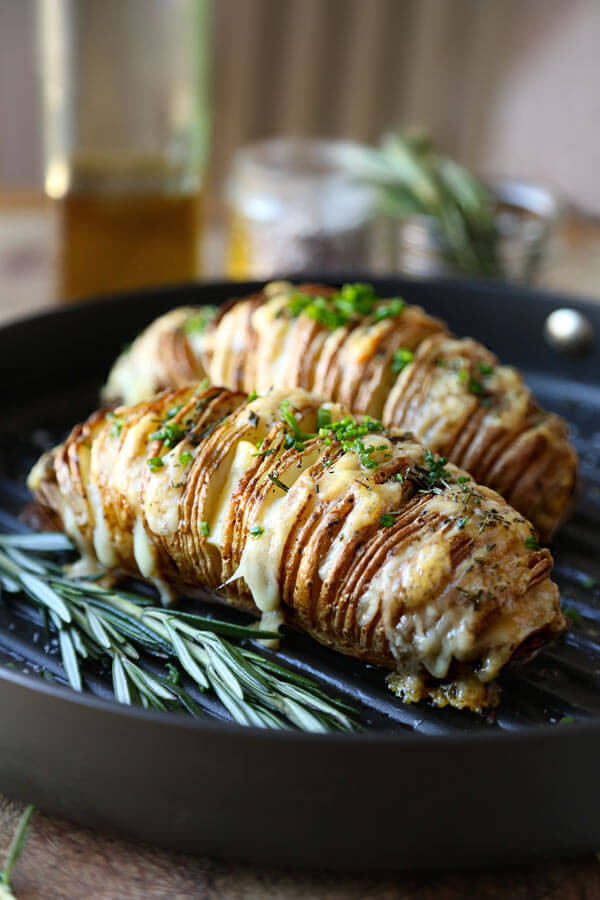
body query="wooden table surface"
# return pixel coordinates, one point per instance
(64, 862)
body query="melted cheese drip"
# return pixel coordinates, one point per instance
(103, 543)
(242, 458)
(144, 550)
(278, 513)
(163, 492)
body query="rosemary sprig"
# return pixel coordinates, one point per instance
(120, 627)
(14, 851)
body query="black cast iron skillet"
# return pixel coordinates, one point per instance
(422, 787)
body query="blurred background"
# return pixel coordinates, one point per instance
(153, 104)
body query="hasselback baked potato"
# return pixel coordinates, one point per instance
(378, 357)
(297, 511)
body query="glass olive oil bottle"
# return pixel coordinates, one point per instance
(125, 131)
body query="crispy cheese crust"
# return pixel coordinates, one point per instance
(488, 424)
(373, 548)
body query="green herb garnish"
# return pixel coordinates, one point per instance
(401, 359)
(205, 528)
(256, 531)
(323, 418)
(388, 310)
(197, 323)
(170, 433)
(387, 520)
(185, 458)
(532, 543)
(573, 614)
(155, 462)
(124, 631)
(117, 424)
(351, 302)
(17, 845)
(252, 396)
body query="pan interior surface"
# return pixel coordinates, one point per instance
(54, 366)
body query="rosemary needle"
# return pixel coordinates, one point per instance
(123, 628)
(14, 851)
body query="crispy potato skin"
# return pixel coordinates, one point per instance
(443, 590)
(507, 442)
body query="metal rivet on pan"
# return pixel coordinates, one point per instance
(568, 331)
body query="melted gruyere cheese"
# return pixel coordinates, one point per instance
(442, 584)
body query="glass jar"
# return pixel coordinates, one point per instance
(526, 216)
(295, 207)
(125, 136)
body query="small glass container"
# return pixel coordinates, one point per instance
(526, 217)
(296, 208)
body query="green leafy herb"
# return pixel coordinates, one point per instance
(121, 628)
(185, 458)
(349, 433)
(401, 359)
(170, 433)
(205, 528)
(252, 396)
(197, 323)
(171, 413)
(17, 845)
(485, 368)
(388, 310)
(573, 614)
(155, 462)
(387, 519)
(413, 177)
(174, 675)
(351, 302)
(532, 543)
(117, 424)
(323, 418)
(256, 531)
(431, 480)
(462, 479)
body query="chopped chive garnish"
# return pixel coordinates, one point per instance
(170, 433)
(205, 528)
(323, 418)
(155, 462)
(256, 531)
(401, 359)
(185, 458)
(351, 302)
(573, 614)
(197, 323)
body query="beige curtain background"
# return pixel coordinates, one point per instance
(508, 86)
